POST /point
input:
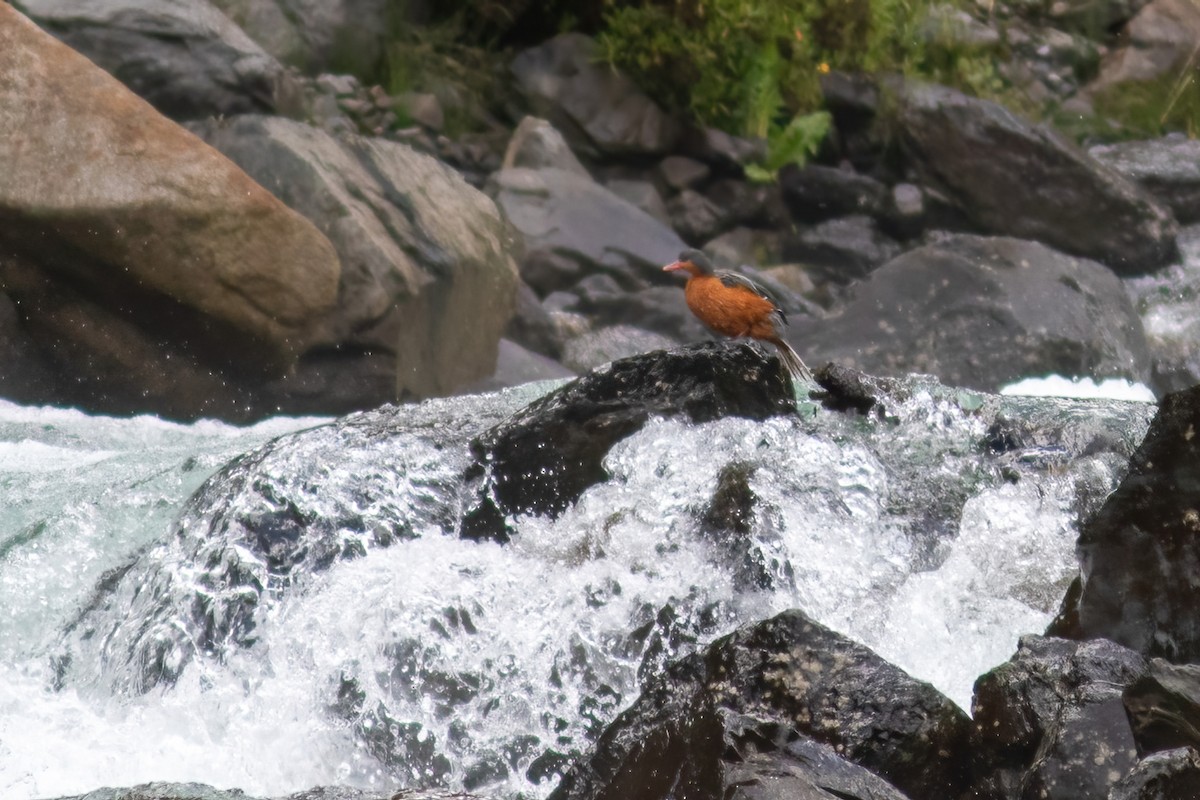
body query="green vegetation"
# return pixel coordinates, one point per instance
(752, 67)
(1150, 108)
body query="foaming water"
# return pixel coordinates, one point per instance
(474, 660)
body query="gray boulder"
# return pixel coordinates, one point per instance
(1050, 722)
(184, 56)
(570, 221)
(599, 110)
(1168, 168)
(536, 144)
(315, 35)
(842, 250)
(428, 280)
(1017, 179)
(983, 312)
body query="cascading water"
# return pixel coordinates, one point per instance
(380, 650)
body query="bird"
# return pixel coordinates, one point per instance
(732, 305)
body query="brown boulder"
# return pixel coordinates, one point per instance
(113, 212)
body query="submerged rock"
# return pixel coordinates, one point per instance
(786, 681)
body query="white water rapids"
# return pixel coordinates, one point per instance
(80, 495)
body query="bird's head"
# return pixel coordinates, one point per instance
(692, 261)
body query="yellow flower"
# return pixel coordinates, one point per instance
(823, 68)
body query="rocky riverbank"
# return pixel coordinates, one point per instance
(403, 263)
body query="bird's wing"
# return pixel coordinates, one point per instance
(736, 280)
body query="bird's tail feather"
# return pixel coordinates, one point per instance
(794, 364)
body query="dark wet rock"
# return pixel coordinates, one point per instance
(1139, 555)
(816, 193)
(1168, 168)
(1017, 179)
(567, 221)
(982, 312)
(1164, 707)
(542, 460)
(842, 250)
(187, 59)
(847, 389)
(1169, 775)
(1050, 722)
(536, 144)
(599, 110)
(729, 521)
(784, 682)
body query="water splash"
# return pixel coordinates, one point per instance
(437, 660)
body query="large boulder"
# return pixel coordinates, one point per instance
(151, 273)
(786, 698)
(1051, 723)
(982, 312)
(428, 281)
(567, 222)
(187, 58)
(541, 460)
(1017, 179)
(1139, 556)
(1168, 168)
(599, 110)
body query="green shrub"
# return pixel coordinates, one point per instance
(752, 67)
